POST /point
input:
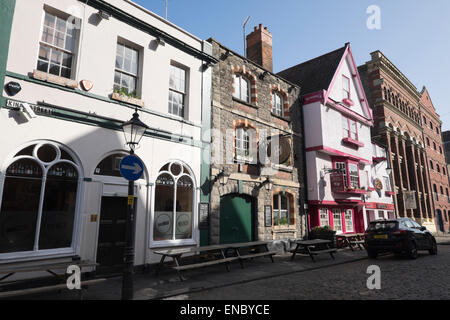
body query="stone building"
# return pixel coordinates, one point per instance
(397, 124)
(434, 147)
(252, 197)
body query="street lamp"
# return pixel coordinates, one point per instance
(134, 131)
(267, 183)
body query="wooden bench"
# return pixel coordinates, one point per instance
(351, 240)
(57, 287)
(312, 248)
(214, 250)
(43, 267)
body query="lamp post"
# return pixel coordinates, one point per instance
(134, 131)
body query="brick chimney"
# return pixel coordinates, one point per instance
(259, 47)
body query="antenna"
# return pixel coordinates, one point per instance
(167, 4)
(243, 27)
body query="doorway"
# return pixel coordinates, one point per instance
(236, 219)
(111, 238)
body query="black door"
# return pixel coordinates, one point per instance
(111, 238)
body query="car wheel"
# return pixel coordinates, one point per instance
(412, 253)
(433, 249)
(372, 254)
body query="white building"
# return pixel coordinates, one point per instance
(61, 194)
(339, 152)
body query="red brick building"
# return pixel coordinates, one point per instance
(397, 124)
(431, 125)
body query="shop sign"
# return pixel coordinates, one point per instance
(410, 200)
(19, 105)
(282, 152)
(337, 182)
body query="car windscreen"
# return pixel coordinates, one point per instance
(382, 225)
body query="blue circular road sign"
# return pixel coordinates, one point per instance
(131, 168)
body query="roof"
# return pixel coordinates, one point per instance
(315, 74)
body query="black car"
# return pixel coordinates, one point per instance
(400, 236)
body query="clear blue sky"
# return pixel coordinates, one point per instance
(414, 35)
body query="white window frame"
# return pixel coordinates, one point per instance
(62, 50)
(180, 89)
(76, 236)
(337, 212)
(238, 80)
(349, 222)
(346, 87)
(324, 211)
(243, 147)
(176, 242)
(387, 183)
(277, 212)
(277, 104)
(129, 73)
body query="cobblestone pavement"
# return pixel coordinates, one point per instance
(428, 277)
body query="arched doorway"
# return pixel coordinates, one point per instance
(236, 219)
(111, 240)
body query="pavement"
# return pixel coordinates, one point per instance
(148, 286)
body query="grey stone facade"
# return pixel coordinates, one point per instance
(228, 113)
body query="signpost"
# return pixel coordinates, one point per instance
(131, 168)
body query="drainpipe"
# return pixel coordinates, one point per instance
(305, 174)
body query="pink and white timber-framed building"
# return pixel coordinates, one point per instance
(347, 182)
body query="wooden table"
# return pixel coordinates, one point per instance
(350, 240)
(218, 251)
(312, 247)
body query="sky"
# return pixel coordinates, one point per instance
(414, 34)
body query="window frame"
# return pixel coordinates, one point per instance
(334, 213)
(346, 94)
(238, 95)
(275, 108)
(348, 162)
(194, 231)
(348, 132)
(57, 14)
(289, 211)
(184, 93)
(121, 71)
(45, 167)
(327, 217)
(347, 211)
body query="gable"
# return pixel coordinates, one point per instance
(347, 72)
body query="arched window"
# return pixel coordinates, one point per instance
(277, 104)
(442, 190)
(39, 200)
(241, 88)
(431, 165)
(174, 203)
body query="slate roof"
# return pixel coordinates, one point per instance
(315, 74)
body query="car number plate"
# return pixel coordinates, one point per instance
(380, 236)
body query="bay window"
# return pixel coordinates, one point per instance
(350, 171)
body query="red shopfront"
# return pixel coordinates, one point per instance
(341, 217)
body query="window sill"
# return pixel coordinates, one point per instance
(352, 142)
(245, 103)
(281, 167)
(279, 117)
(39, 75)
(126, 99)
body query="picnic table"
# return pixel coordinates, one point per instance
(51, 268)
(312, 248)
(350, 240)
(219, 254)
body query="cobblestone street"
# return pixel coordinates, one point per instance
(400, 279)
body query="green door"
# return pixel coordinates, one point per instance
(236, 219)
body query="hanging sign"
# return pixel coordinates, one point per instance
(337, 182)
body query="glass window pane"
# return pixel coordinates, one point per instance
(18, 215)
(56, 57)
(67, 60)
(49, 20)
(44, 53)
(70, 43)
(184, 208)
(244, 90)
(237, 91)
(164, 200)
(58, 211)
(42, 66)
(66, 73)
(47, 35)
(60, 25)
(59, 39)
(117, 77)
(55, 69)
